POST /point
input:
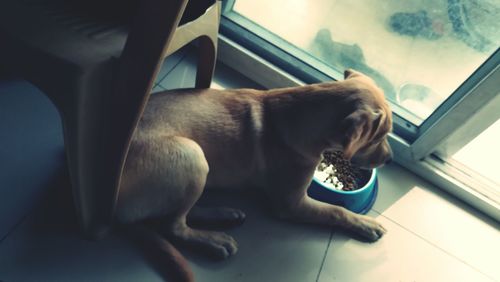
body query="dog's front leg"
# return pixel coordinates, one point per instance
(289, 197)
(310, 210)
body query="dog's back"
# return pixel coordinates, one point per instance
(227, 126)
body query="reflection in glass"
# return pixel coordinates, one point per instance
(419, 52)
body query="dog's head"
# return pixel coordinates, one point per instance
(365, 130)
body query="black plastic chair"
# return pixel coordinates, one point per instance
(97, 63)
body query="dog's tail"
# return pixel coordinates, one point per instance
(163, 256)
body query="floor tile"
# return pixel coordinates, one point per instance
(439, 218)
(394, 183)
(399, 256)
(450, 225)
(157, 88)
(183, 75)
(48, 246)
(172, 61)
(31, 149)
(270, 250)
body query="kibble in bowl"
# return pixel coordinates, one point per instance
(336, 182)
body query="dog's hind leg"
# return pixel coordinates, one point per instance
(215, 217)
(164, 177)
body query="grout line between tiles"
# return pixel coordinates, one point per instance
(326, 253)
(14, 227)
(434, 245)
(156, 85)
(183, 56)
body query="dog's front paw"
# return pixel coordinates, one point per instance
(368, 228)
(218, 245)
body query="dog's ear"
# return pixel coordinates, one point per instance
(352, 128)
(357, 128)
(350, 73)
(347, 73)
(379, 118)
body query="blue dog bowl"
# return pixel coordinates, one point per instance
(358, 201)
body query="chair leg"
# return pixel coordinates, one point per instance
(207, 55)
(92, 174)
(94, 146)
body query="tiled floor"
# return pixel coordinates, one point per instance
(432, 236)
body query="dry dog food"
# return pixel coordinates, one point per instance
(337, 172)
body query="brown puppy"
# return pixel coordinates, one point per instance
(191, 139)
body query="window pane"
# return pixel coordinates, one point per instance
(418, 51)
(482, 154)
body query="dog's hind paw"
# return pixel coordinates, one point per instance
(218, 245)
